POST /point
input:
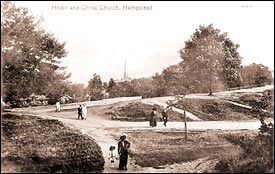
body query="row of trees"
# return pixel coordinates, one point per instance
(31, 57)
(210, 62)
(173, 81)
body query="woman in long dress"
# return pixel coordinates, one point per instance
(57, 105)
(123, 150)
(84, 112)
(153, 119)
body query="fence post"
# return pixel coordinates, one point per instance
(185, 125)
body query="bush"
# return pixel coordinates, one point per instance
(40, 145)
(257, 156)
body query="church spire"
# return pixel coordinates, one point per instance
(125, 73)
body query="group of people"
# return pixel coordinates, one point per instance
(153, 119)
(123, 152)
(82, 112)
(124, 144)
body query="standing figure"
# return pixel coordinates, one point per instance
(165, 115)
(153, 119)
(84, 112)
(112, 156)
(123, 149)
(57, 105)
(79, 111)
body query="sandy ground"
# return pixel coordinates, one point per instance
(102, 129)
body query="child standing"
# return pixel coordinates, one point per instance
(112, 156)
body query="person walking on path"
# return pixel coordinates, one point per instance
(84, 112)
(57, 105)
(165, 114)
(123, 149)
(79, 111)
(153, 119)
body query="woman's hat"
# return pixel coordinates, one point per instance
(123, 136)
(112, 147)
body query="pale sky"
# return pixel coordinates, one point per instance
(98, 40)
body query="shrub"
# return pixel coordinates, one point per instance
(257, 156)
(41, 145)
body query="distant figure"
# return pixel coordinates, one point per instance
(79, 111)
(123, 149)
(165, 115)
(57, 105)
(153, 119)
(112, 156)
(84, 112)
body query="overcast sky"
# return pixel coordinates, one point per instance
(99, 40)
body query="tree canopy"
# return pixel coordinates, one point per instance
(30, 56)
(210, 56)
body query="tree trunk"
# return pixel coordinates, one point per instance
(210, 87)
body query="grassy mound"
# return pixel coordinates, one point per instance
(215, 109)
(137, 111)
(41, 145)
(152, 149)
(251, 98)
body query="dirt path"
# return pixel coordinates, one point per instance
(103, 131)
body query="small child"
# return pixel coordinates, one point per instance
(112, 156)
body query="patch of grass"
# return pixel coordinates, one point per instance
(215, 109)
(41, 145)
(151, 148)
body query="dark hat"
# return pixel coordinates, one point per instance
(123, 137)
(112, 148)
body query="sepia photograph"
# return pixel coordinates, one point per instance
(137, 87)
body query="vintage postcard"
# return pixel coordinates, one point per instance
(137, 87)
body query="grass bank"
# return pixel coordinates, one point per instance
(34, 144)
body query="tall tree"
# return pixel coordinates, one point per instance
(95, 87)
(231, 64)
(111, 84)
(210, 56)
(30, 56)
(203, 54)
